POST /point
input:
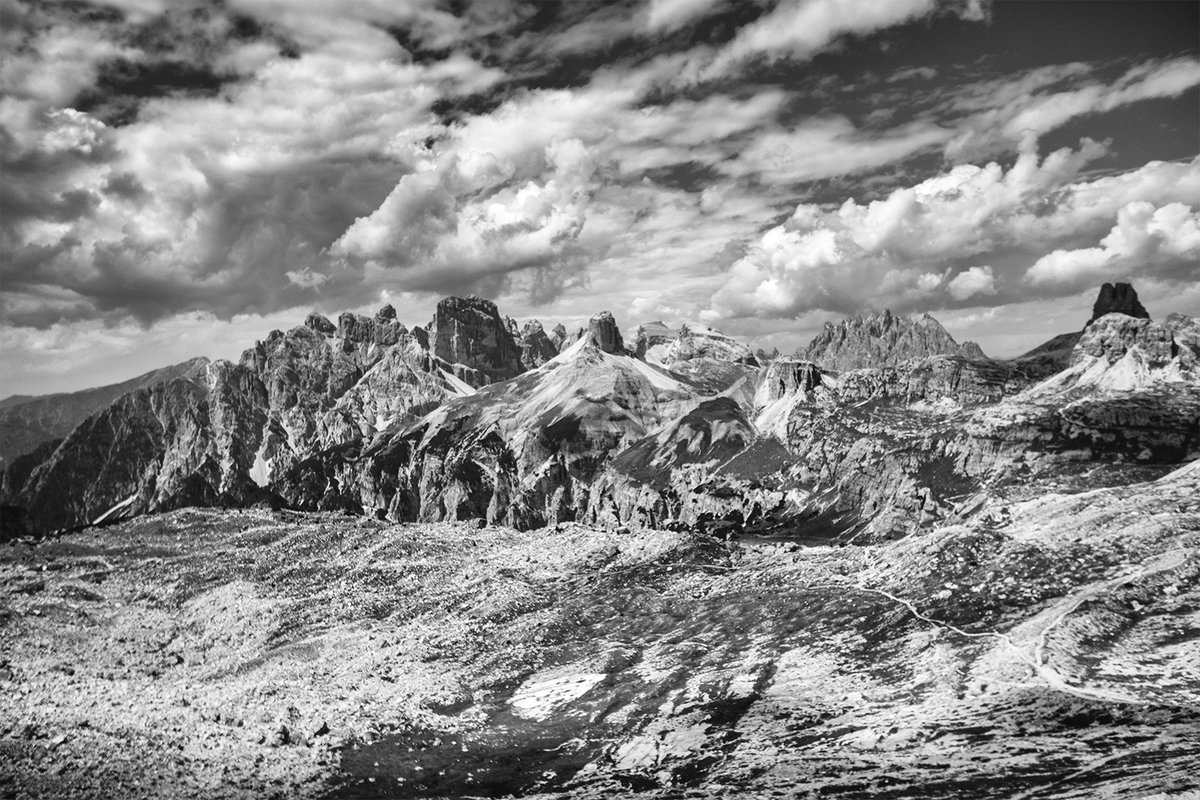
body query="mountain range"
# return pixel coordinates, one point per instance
(477, 559)
(881, 425)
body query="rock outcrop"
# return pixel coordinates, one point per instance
(652, 340)
(468, 334)
(1118, 298)
(700, 341)
(880, 340)
(536, 347)
(603, 332)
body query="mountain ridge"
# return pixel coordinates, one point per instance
(370, 416)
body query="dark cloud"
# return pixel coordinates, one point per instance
(123, 84)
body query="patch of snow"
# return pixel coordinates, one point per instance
(123, 504)
(658, 378)
(570, 354)
(460, 387)
(260, 471)
(772, 420)
(656, 354)
(541, 694)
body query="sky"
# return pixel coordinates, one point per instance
(178, 178)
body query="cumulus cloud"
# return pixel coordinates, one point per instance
(460, 225)
(1163, 242)
(970, 282)
(895, 251)
(210, 202)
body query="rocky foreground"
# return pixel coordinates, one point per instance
(1044, 648)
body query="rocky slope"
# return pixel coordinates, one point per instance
(27, 422)
(882, 340)
(1045, 648)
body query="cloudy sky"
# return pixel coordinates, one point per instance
(177, 179)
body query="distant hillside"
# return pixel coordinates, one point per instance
(26, 422)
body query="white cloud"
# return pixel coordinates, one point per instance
(800, 28)
(970, 282)
(892, 252)
(668, 15)
(1163, 241)
(1014, 111)
(448, 226)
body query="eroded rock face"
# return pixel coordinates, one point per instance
(1118, 298)
(536, 347)
(652, 340)
(1111, 336)
(700, 341)
(786, 377)
(469, 335)
(603, 331)
(558, 336)
(880, 340)
(320, 324)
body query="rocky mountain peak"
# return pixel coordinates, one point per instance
(386, 314)
(972, 350)
(700, 341)
(536, 347)
(652, 338)
(558, 336)
(603, 331)
(320, 324)
(468, 334)
(361, 329)
(1118, 298)
(880, 339)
